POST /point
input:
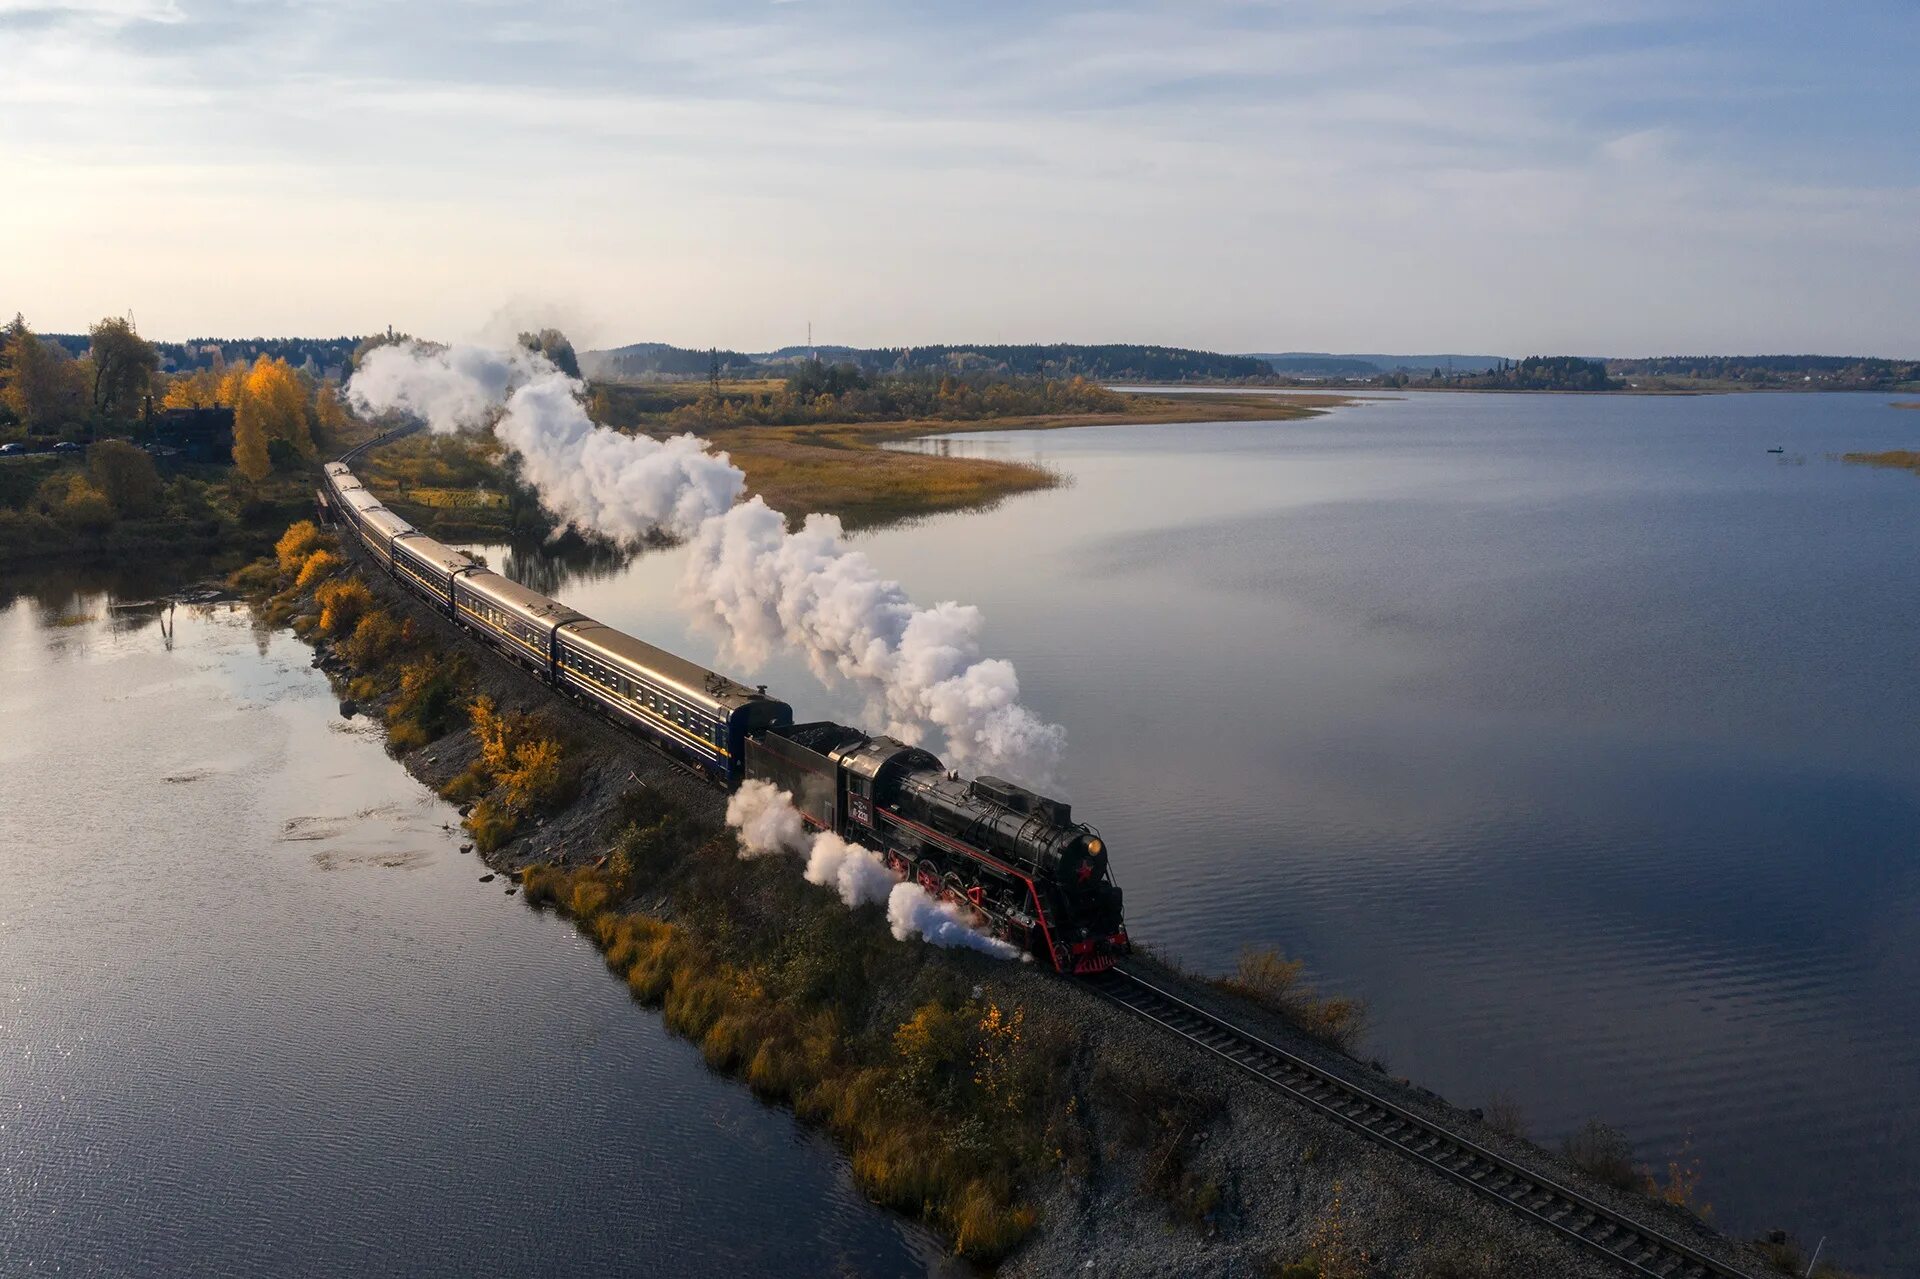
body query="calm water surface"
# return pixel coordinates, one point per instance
(257, 1015)
(1578, 736)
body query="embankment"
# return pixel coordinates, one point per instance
(1036, 1126)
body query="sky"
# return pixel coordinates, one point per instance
(1498, 176)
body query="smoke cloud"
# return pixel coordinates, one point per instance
(767, 823)
(808, 590)
(912, 910)
(766, 819)
(761, 586)
(857, 873)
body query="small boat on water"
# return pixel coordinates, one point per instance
(1776, 450)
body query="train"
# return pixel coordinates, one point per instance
(1014, 862)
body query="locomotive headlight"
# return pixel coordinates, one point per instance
(1093, 847)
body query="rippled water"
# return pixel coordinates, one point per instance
(257, 1015)
(1577, 735)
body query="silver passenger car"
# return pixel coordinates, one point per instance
(681, 704)
(518, 621)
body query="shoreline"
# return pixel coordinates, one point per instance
(1219, 1177)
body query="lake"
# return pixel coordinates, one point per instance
(258, 1015)
(1576, 735)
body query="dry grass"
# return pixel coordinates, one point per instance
(1273, 981)
(1893, 459)
(944, 1117)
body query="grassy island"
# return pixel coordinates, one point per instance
(807, 450)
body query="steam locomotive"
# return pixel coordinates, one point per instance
(1014, 861)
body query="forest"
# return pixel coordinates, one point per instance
(1112, 362)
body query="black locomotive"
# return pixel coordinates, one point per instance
(1014, 860)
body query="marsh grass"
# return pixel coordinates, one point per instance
(1892, 459)
(1270, 979)
(946, 1113)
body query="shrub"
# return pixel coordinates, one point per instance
(423, 709)
(1503, 1114)
(300, 540)
(1270, 979)
(83, 506)
(542, 884)
(318, 567)
(343, 602)
(536, 781)
(376, 638)
(125, 475)
(491, 823)
(1603, 1153)
(986, 1226)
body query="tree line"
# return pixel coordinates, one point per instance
(1112, 362)
(1844, 372)
(1535, 373)
(819, 393)
(281, 415)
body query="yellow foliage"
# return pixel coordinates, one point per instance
(299, 541)
(319, 566)
(84, 506)
(997, 1057)
(376, 638)
(278, 397)
(343, 602)
(535, 780)
(200, 389)
(493, 731)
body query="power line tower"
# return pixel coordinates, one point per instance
(713, 370)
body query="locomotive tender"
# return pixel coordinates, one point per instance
(1013, 860)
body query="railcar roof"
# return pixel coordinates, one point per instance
(508, 593)
(690, 677)
(437, 553)
(386, 521)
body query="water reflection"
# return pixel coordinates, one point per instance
(260, 1018)
(552, 567)
(1572, 733)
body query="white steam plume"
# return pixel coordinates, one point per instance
(767, 822)
(626, 486)
(807, 589)
(912, 909)
(765, 587)
(857, 873)
(766, 819)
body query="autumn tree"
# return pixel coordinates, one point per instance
(39, 385)
(250, 453)
(270, 406)
(330, 417)
(123, 367)
(126, 476)
(199, 389)
(553, 344)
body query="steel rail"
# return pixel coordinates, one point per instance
(1641, 1248)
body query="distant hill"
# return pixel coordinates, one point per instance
(658, 359)
(1111, 362)
(1826, 372)
(1327, 364)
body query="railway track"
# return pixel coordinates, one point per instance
(1640, 1248)
(1635, 1245)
